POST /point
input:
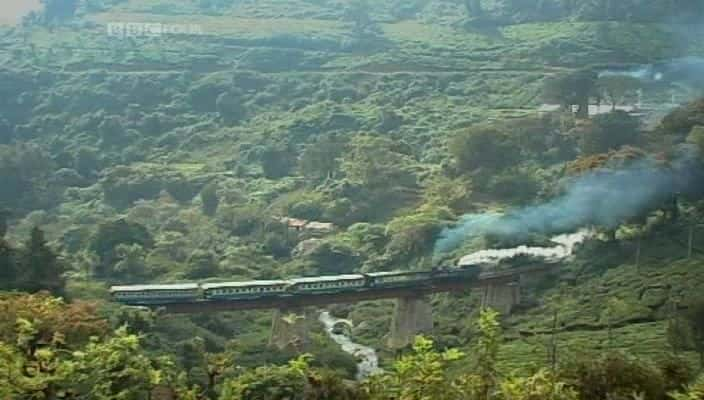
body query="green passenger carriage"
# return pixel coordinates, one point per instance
(328, 284)
(244, 290)
(156, 294)
(398, 279)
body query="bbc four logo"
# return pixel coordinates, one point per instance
(147, 29)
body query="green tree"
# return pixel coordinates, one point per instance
(609, 132)
(616, 87)
(320, 160)
(112, 234)
(424, 374)
(37, 334)
(454, 194)
(613, 313)
(483, 146)
(635, 233)
(24, 173)
(209, 198)
(277, 161)
(202, 264)
(31, 371)
(694, 316)
(131, 265)
(270, 383)
(8, 262)
(693, 392)
(682, 120)
(474, 8)
(572, 89)
(58, 10)
(242, 220)
(87, 161)
(11, 372)
(541, 386)
(378, 163)
(39, 266)
(112, 131)
(694, 218)
(358, 12)
(4, 215)
(8, 266)
(613, 375)
(115, 369)
(73, 323)
(696, 137)
(488, 350)
(414, 235)
(230, 108)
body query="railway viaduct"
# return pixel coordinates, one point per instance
(412, 314)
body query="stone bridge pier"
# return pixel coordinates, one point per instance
(412, 317)
(501, 297)
(290, 328)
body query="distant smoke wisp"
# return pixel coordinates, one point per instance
(599, 198)
(687, 70)
(644, 73)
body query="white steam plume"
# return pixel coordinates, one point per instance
(565, 246)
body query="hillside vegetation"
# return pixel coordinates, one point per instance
(130, 158)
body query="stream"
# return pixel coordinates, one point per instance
(368, 361)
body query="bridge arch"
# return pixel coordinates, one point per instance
(343, 327)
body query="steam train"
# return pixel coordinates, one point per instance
(141, 295)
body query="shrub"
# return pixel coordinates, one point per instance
(209, 198)
(483, 146)
(541, 386)
(676, 372)
(202, 264)
(614, 376)
(609, 132)
(303, 204)
(694, 392)
(277, 161)
(112, 234)
(124, 185)
(240, 220)
(182, 189)
(414, 235)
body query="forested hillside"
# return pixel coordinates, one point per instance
(163, 141)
